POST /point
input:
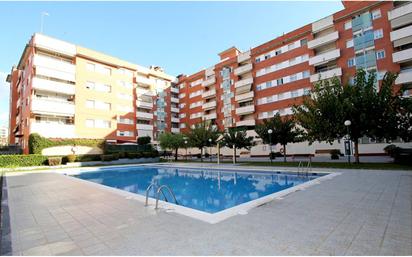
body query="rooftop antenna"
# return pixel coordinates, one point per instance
(42, 20)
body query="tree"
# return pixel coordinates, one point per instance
(237, 138)
(171, 141)
(202, 135)
(143, 140)
(284, 131)
(373, 113)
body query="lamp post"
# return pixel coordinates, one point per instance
(347, 123)
(210, 149)
(186, 149)
(270, 131)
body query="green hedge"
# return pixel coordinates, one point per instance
(37, 143)
(18, 160)
(112, 148)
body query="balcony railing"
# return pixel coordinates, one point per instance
(174, 90)
(142, 104)
(366, 61)
(243, 57)
(244, 82)
(244, 97)
(209, 105)
(209, 82)
(54, 68)
(243, 69)
(402, 36)
(54, 45)
(245, 123)
(404, 77)
(53, 130)
(211, 116)
(143, 81)
(144, 127)
(322, 24)
(326, 75)
(174, 109)
(400, 16)
(53, 86)
(402, 56)
(140, 91)
(324, 57)
(209, 94)
(174, 119)
(245, 110)
(364, 41)
(175, 130)
(144, 115)
(52, 107)
(362, 22)
(323, 40)
(174, 100)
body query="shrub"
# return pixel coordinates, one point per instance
(143, 140)
(134, 155)
(88, 158)
(106, 157)
(54, 161)
(122, 155)
(37, 143)
(334, 154)
(115, 156)
(71, 158)
(17, 160)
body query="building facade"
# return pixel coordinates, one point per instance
(244, 88)
(4, 136)
(60, 90)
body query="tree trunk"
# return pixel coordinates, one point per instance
(201, 154)
(234, 155)
(356, 151)
(176, 153)
(284, 153)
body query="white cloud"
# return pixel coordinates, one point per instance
(4, 99)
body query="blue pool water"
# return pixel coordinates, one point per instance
(201, 189)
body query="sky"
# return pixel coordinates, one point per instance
(181, 37)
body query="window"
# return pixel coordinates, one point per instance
(267, 56)
(91, 67)
(349, 43)
(103, 88)
(351, 62)
(89, 85)
(303, 42)
(291, 46)
(89, 103)
(124, 133)
(294, 93)
(376, 14)
(348, 25)
(279, 51)
(378, 34)
(380, 54)
(279, 81)
(102, 105)
(293, 77)
(268, 83)
(102, 124)
(306, 74)
(257, 59)
(89, 123)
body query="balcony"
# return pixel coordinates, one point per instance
(324, 40)
(244, 97)
(245, 110)
(54, 45)
(400, 16)
(324, 57)
(143, 81)
(243, 57)
(209, 82)
(174, 109)
(175, 130)
(174, 90)
(402, 56)
(142, 104)
(144, 115)
(211, 116)
(209, 105)
(365, 61)
(364, 41)
(52, 107)
(404, 77)
(140, 91)
(245, 123)
(322, 24)
(326, 75)
(144, 127)
(244, 82)
(174, 119)
(53, 86)
(209, 94)
(363, 21)
(174, 100)
(53, 130)
(243, 69)
(402, 36)
(55, 68)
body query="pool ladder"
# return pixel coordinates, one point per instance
(301, 168)
(159, 190)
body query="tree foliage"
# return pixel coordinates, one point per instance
(236, 138)
(143, 140)
(284, 131)
(201, 133)
(172, 142)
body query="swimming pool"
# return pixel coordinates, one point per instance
(206, 190)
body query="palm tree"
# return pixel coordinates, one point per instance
(284, 131)
(203, 134)
(237, 138)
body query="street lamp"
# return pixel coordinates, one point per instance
(347, 123)
(270, 131)
(186, 149)
(210, 149)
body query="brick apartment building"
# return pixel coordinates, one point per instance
(62, 90)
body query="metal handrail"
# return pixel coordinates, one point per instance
(160, 190)
(300, 166)
(147, 194)
(309, 167)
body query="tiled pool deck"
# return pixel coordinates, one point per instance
(356, 213)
